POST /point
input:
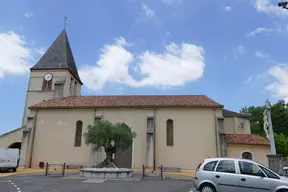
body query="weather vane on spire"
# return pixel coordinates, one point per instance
(65, 21)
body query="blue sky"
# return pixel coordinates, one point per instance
(235, 52)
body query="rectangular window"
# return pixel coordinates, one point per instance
(58, 91)
(71, 85)
(226, 166)
(47, 85)
(150, 125)
(75, 88)
(96, 121)
(78, 134)
(169, 133)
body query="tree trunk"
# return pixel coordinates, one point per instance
(109, 161)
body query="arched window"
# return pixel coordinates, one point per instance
(78, 135)
(247, 155)
(47, 85)
(170, 132)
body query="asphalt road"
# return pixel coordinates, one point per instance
(40, 183)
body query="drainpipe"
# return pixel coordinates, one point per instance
(154, 141)
(33, 138)
(216, 133)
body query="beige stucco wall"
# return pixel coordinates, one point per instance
(12, 137)
(55, 132)
(229, 125)
(55, 135)
(246, 129)
(36, 95)
(259, 153)
(232, 125)
(194, 137)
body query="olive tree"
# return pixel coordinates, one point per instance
(111, 137)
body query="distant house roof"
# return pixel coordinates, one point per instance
(7, 133)
(59, 56)
(247, 139)
(227, 113)
(140, 101)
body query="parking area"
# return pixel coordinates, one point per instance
(40, 183)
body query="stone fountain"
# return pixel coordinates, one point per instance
(107, 169)
(106, 173)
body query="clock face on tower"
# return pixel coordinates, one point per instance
(48, 77)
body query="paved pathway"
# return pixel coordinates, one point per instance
(40, 183)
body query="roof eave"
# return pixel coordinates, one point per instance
(243, 143)
(9, 132)
(114, 107)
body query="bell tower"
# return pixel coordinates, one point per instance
(54, 76)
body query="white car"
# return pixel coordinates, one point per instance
(237, 175)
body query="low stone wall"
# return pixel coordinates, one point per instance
(106, 173)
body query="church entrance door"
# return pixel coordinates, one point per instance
(123, 159)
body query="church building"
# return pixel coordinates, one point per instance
(176, 131)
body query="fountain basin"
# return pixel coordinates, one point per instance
(106, 173)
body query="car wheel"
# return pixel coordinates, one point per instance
(207, 188)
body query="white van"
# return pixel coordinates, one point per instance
(9, 159)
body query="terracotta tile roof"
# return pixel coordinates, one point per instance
(139, 101)
(227, 113)
(248, 139)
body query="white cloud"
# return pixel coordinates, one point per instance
(15, 57)
(240, 49)
(171, 1)
(148, 11)
(258, 31)
(248, 80)
(112, 67)
(29, 14)
(177, 65)
(40, 50)
(121, 42)
(228, 8)
(279, 88)
(261, 55)
(270, 7)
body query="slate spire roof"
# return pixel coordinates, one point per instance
(59, 56)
